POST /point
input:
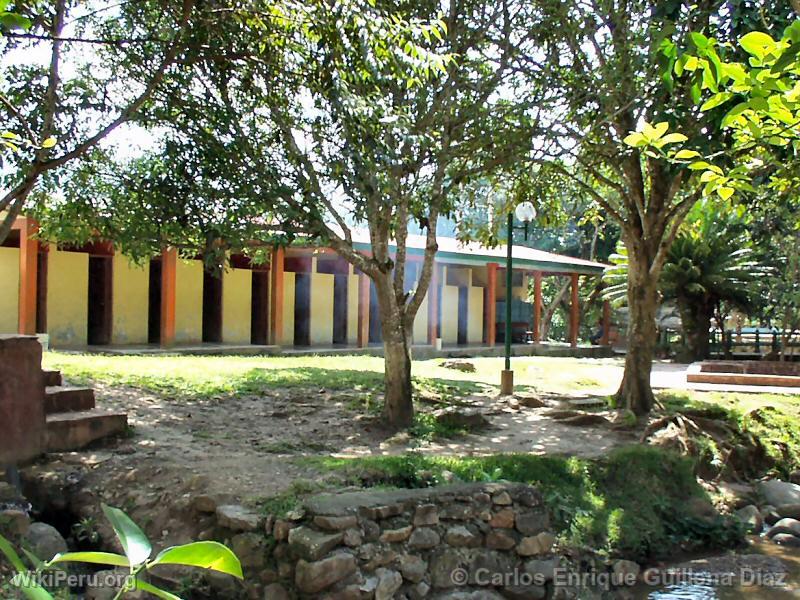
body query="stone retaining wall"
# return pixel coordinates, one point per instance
(482, 541)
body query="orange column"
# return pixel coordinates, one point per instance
(169, 264)
(363, 311)
(28, 251)
(490, 306)
(433, 307)
(276, 290)
(604, 341)
(573, 313)
(537, 307)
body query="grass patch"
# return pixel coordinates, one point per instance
(632, 503)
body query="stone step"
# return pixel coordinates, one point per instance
(52, 378)
(59, 399)
(73, 430)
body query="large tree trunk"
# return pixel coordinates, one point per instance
(398, 406)
(635, 392)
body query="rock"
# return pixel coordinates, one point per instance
(470, 595)
(585, 420)
(737, 495)
(9, 494)
(751, 517)
(372, 531)
(790, 526)
(275, 591)
(701, 509)
(311, 544)
(412, 567)
(105, 584)
(529, 400)
(525, 592)
(419, 591)
(237, 518)
(424, 538)
(460, 536)
(388, 583)
(500, 540)
(535, 545)
(44, 541)
(457, 512)
(626, 571)
(350, 592)
(777, 492)
(770, 514)
(791, 511)
(426, 514)
(281, 529)
(14, 522)
(312, 578)
(512, 402)
(352, 538)
(461, 418)
(335, 523)
(531, 522)
(392, 536)
(787, 539)
(503, 519)
(543, 568)
(459, 365)
(204, 504)
(502, 499)
(250, 548)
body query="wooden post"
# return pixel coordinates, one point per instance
(490, 305)
(605, 340)
(28, 257)
(433, 307)
(276, 289)
(363, 310)
(537, 307)
(574, 315)
(169, 266)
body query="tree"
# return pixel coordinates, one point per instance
(104, 64)
(349, 114)
(620, 68)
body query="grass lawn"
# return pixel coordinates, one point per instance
(198, 377)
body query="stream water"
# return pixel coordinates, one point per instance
(718, 584)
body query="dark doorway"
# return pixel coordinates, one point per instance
(41, 291)
(212, 308)
(100, 290)
(302, 309)
(463, 313)
(340, 309)
(375, 333)
(259, 303)
(154, 303)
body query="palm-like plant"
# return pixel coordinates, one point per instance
(709, 265)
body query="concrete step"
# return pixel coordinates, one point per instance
(73, 430)
(52, 378)
(59, 399)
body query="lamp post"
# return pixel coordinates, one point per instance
(525, 213)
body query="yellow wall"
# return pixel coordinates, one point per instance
(288, 309)
(129, 302)
(321, 325)
(475, 315)
(9, 298)
(67, 297)
(352, 309)
(189, 301)
(420, 331)
(449, 314)
(237, 289)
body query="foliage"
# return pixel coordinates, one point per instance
(137, 558)
(630, 504)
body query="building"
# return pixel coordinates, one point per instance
(92, 296)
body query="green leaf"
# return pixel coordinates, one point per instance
(699, 40)
(716, 100)
(134, 542)
(206, 555)
(8, 550)
(673, 138)
(757, 43)
(725, 192)
(29, 587)
(686, 154)
(733, 113)
(787, 58)
(97, 558)
(49, 142)
(157, 592)
(635, 139)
